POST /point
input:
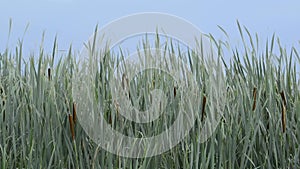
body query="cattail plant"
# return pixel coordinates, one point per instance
(49, 74)
(245, 140)
(74, 113)
(3, 102)
(174, 91)
(71, 126)
(203, 108)
(283, 111)
(254, 99)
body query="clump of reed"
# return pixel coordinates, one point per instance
(259, 127)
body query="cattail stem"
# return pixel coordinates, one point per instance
(283, 111)
(49, 73)
(283, 97)
(203, 108)
(72, 127)
(110, 119)
(174, 91)
(3, 103)
(74, 112)
(254, 98)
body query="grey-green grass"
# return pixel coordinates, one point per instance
(35, 131)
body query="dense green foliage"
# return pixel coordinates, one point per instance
(260, 127)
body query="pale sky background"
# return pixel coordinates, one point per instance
(74, 20)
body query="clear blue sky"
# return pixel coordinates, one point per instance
(74, 20)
